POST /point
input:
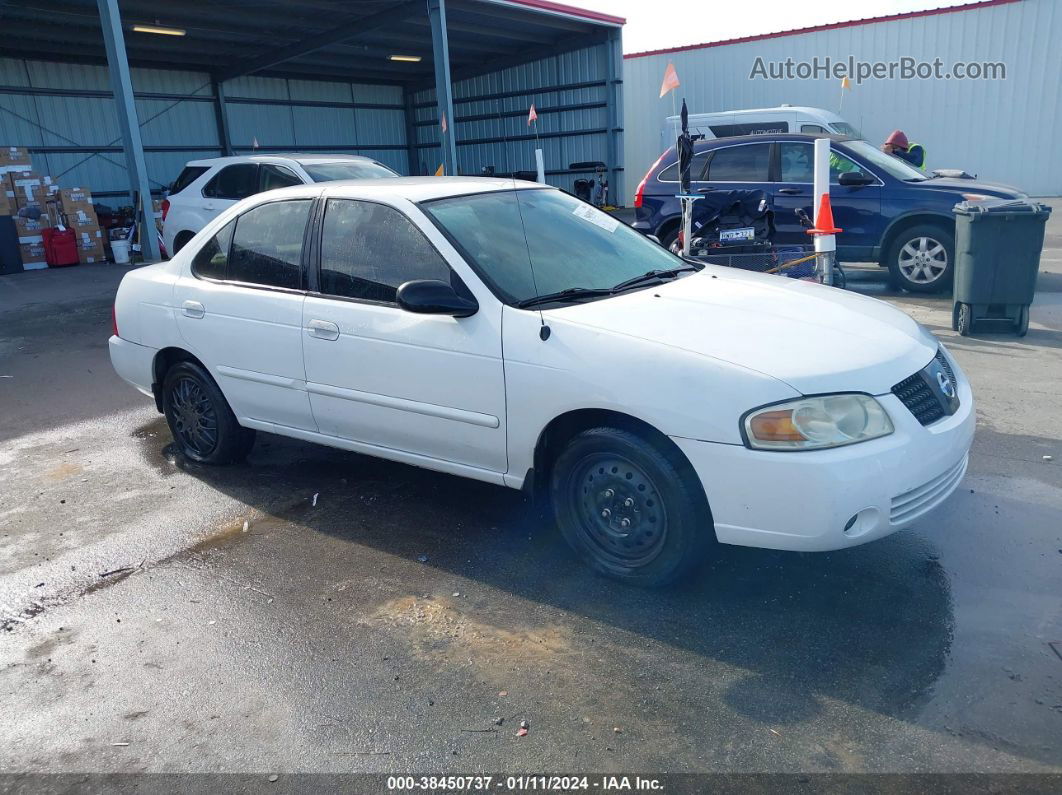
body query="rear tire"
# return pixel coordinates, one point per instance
(921, 259)
(668, 239)
(964, 322)
(202, 424)
(181, 240)
(630, 509)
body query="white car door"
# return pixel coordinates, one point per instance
(428, 385)
(239, 308)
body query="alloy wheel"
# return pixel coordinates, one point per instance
(923, 260)
(195, 420)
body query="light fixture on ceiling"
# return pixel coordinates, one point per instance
(405, 58)
(161, 31)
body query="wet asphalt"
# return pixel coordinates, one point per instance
(316, 610)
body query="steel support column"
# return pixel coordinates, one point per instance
(128, 124)
(413, 168)
(444, 97)
(221, 115)
(614, 100)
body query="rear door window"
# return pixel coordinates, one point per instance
(233, 182)
(187, 176)
(267, 245)
(746, 163)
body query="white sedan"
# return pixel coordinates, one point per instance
(507, 332)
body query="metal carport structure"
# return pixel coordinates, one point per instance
(79, 86)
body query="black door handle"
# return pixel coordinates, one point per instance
(791, 191)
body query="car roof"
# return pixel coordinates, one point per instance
(414, 189)
(268, 157)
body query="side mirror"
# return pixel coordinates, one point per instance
(433, 297)
(854, 179)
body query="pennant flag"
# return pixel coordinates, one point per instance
(254, 143)
(846, 83)
(532, 116)
(442, 123)
(671, 81)
(441, 170)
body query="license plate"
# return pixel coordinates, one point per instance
(730, 235)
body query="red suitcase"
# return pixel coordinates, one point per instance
(60, 247)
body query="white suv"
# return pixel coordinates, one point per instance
(206, 188)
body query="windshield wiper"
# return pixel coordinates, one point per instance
(563, 295)
(655, 276)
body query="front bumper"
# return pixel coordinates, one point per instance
(804, 500)
(134, 363)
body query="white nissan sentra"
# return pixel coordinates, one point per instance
(508, 332)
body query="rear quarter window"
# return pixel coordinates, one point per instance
(188, 175)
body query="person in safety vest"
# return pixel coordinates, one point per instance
(897, 144)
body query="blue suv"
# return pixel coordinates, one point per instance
(891, 212)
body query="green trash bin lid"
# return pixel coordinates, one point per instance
(996, 206)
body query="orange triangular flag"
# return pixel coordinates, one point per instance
(846, 83)
(532, 116)
(671, 81)
(254, 143)
(824, 219)
(441, 170)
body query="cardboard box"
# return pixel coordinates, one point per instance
(90, 247)
(29, 187)
(74, 199)
(29, 228)
(14, 158)
(80, 219)
(7, 200)
(32, 252)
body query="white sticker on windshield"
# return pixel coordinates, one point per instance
(596, 217)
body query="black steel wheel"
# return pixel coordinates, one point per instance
(630, 508)
(202, 424)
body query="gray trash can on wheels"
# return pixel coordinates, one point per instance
(997, 258)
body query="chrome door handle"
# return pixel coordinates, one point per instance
(322, 330)
(791, 191)
(193, 309)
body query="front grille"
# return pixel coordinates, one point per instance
(912, 504)
(922, 395)
(915, 393)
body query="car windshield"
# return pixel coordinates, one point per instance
(896, 168)
(347, 169)
(844, 128)
(527, 243)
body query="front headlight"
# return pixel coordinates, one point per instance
(816, 422)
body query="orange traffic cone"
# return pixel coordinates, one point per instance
(824, 219)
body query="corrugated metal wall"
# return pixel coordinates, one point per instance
(569, 92)
(64, 112)
(1001, 130)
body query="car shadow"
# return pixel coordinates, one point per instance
(870, 626)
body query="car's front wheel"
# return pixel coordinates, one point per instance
(921, 259)
(631, 509)
(202, 424)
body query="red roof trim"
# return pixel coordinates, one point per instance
(832, 26)
(572, 11)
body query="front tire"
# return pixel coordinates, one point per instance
(922, 259)
(630, 509)
(202, 424)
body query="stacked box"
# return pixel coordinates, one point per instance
(14, 158)
(30, 188)
(90, 246)
(30, 227)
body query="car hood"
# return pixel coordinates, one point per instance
(816, 339)
(972, 186)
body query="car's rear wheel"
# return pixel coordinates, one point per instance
(629, 508)
(669, 238)
(202, 424)
(181, 240)
(921, 259)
